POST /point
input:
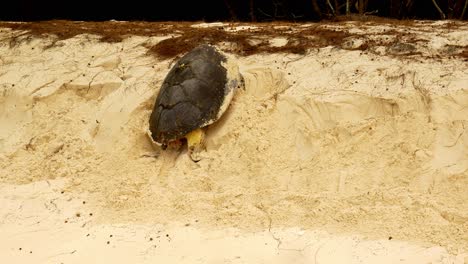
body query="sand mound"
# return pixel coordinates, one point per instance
(338, 140)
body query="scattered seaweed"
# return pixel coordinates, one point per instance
(243, 39)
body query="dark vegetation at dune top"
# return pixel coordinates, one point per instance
(270, 19)
(243, 39)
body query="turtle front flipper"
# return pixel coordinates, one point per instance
(195, 143)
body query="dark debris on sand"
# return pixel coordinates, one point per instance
(185, 37)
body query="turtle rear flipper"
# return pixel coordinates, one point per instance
(195, 143)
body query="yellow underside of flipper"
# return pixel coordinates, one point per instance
(195, 140)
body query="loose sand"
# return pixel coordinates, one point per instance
(338, 155)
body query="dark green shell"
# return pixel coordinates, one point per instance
(190, 96)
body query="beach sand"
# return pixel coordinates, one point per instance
(355, 152)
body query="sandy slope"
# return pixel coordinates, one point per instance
(334, 152)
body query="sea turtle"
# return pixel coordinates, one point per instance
(194, 94)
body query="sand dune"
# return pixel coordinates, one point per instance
(333, 156)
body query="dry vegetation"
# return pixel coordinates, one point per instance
(252, 40)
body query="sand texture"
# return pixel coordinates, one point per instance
(340, 154)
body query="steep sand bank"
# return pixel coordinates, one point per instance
(354, 143)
